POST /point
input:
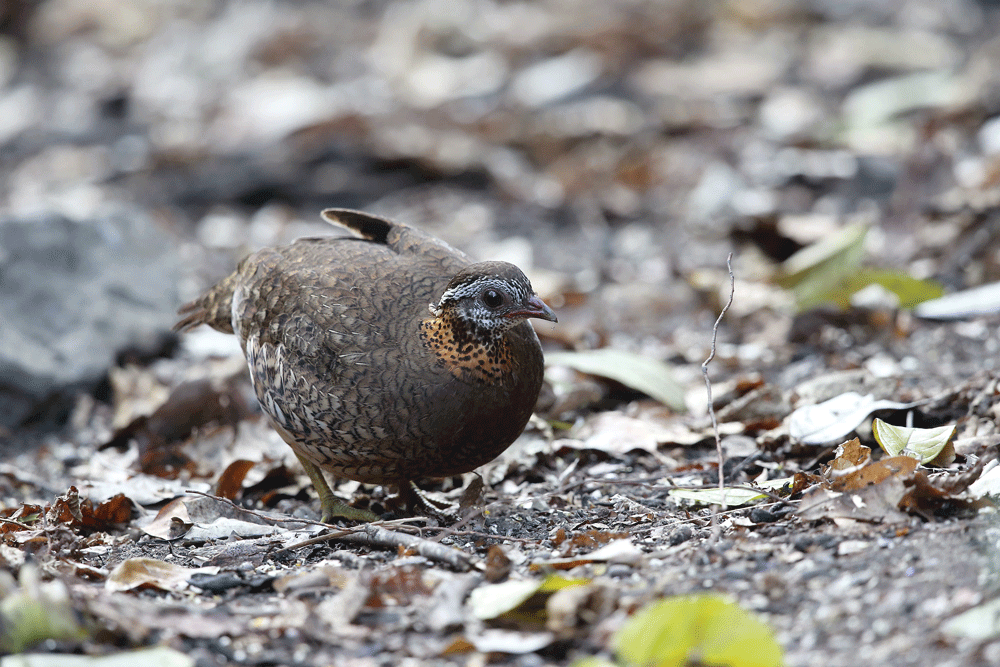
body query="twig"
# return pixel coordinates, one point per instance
(490, 536)
(369, 535)
(708, 383)
(293, 520)
(259, 515)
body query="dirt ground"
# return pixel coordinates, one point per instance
(846, 154)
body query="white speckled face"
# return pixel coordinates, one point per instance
(486, 302)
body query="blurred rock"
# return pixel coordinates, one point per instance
(74, 296)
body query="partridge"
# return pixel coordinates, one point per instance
(383, 358)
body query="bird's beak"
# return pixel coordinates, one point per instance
(535, 307)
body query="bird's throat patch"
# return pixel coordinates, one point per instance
(468, 355)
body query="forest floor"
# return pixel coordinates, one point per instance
(618, 152)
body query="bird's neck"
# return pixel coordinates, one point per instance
(470, 353)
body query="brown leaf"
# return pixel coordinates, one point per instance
(875, 473)
(267, 490)
(190, 406)
(20, 518)
(876, 503)
(497, 564)
(72, 510)
(927, 495)
(883, 490)
(171, 521)
(231, 480)
(151, 573)
(472, 495)
(946, 456)
(587, 540)
(849, 454)
(396, 587)
(114, 511)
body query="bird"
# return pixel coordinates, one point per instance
(385, 357)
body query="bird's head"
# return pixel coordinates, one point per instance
(489, 298)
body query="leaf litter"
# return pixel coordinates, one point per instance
(627, 207)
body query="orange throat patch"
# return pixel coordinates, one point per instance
(466, 355)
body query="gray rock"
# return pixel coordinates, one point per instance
(74, 294)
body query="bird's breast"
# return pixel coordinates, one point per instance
(467, 358)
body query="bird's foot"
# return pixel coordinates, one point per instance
(331, 507)
(419, 502)
(337, 509)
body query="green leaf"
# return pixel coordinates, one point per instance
(35, 611)
(554, 582)
(732, 497)
(909, 290)
(696, 629)
(829, 271)
(727, 497)
(650, 376)
(924, 444)
(815, 271)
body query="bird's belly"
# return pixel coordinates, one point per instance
(395, 437)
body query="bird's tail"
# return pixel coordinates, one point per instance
(214, 307)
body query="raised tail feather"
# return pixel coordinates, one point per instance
(214, 307)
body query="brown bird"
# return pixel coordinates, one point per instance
(386, 358)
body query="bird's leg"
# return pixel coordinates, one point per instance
(330, 506)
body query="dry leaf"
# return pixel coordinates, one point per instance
(151, 573)
(231, 480)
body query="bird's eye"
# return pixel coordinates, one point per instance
(492, 298)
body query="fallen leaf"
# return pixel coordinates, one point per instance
(171, 521)
(977, 301)
(909, 290)
(231, 479)
(927, 445)
(510, 642)
(593, 662)
(945, 491)
(71, 509)
(850, 455)
(492, 600)
(696, 629)
(874, 472)
(151, 573)
(878, 103)
(837, 417)
(225, 528)
(731, 497)
(988, 483)
(618, 551)
(814, 272)
(650, 376)
(521, 602)
(874, 503)
(35, 611)
(979, 623)
(497, 564)
(617, 433)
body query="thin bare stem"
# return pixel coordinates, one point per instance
(708, 383)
